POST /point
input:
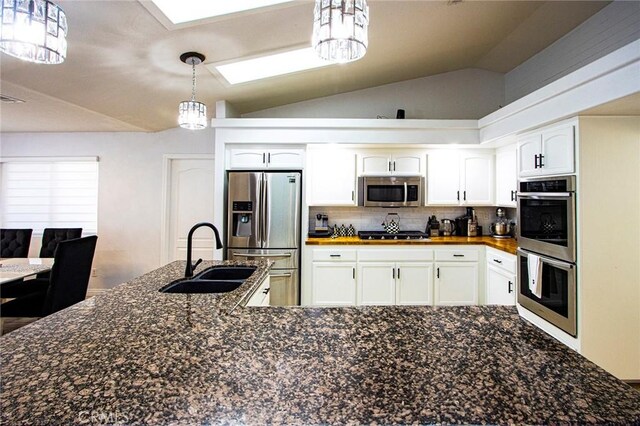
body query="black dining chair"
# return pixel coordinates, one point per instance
(52, 236)
(67, 283)
(15, 242)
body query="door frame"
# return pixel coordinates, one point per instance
(165, 209)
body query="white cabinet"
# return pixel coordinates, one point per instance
(501, 278)
(456, 280)
(460, 178)
(548, 151)
(331, 177)
(395, 276)
(376, 283)
(273, 158)
(260, 296)
(382, 163)
(333, 275)
(506, 176)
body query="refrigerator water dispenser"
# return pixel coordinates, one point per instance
(242, 218)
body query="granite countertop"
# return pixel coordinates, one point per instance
(508, 245)
(137, 356)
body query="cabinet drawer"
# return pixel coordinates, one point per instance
(501, 260)
(404, 255)
(334, 255)
(457, 255)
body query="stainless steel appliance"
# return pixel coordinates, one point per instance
(547, 216)
(263, 222)
(557, 303)
(501, 227)
(322, 223)
(448, 227)
(390, 191)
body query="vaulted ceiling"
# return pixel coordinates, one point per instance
(123, 72)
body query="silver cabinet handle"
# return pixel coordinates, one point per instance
(261, 255)
(405, 192)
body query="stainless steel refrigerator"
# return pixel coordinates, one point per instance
(263, 222)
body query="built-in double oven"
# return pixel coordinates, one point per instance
(547, 249)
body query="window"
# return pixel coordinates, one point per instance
(43, 193)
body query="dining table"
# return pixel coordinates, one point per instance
(18, 268)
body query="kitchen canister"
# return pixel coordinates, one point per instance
(351, 231)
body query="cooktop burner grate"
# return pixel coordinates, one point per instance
(402, 235)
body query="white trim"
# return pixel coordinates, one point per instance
(166, 192)
(46, 159)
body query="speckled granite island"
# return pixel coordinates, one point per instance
(137, 356)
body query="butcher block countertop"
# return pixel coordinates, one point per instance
(508, 245)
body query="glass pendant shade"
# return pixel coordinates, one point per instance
(340, 29)
(192, 115)
(33, 30)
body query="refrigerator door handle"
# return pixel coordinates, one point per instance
(276, 255)
(265, 208)
(285, 275)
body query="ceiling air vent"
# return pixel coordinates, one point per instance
(9, 100)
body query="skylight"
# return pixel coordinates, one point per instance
(182, 11)
(268, 66)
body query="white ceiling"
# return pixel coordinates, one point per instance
(123, 71)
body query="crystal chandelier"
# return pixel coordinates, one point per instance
(33, 30)
(340, 29)
(192, 114)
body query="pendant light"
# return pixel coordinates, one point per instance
(33, 30)
(340, 29)
(192, 114)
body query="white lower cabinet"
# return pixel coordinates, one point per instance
(456, 283)
(414, 283)
(333, 275)
(261, 297)
(456, 280)
(501, 278)
(376, 283)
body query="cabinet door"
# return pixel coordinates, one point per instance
(501, 288)
(443, 181)
(247, 159)
(408, 164)
(376, 283)
(285, 158)
(558, 150)
(477, 179)
(456, 284)
(528, 148)
(331, 178)
(375, 164)
(414, 283)
(261, 296)
(333, 284)
(506, 178)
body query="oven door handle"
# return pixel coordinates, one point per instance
(545, 195)
(557, 263)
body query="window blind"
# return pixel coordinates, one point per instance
(50, 194)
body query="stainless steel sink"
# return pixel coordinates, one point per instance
(217, 279)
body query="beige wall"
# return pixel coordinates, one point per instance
(609, 256)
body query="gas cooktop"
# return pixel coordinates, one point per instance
(402, 235)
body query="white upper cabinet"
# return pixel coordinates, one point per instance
(273, 158)
(382, 163)
(506, 176)
(460, 178)
(548, 151)
(331, 177)
(443, 178)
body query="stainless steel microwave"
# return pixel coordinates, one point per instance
(391, 191)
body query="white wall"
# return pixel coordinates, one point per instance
(130, 190)
(615, 26)
(463, 94)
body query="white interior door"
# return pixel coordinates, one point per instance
(190, 201)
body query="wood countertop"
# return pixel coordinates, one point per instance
(508, 245)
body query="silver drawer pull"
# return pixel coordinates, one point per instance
(286, 275)
(261, 255)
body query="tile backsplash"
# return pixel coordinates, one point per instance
(411, 219)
